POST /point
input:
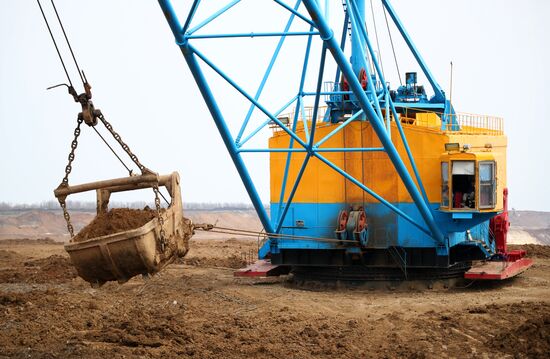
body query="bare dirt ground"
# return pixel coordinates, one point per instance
(198, 309)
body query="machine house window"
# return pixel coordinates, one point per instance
(463, 184)
(487, 184)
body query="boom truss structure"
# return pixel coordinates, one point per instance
(371, 101)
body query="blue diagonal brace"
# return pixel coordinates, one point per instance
(217, 116)
(328, 37)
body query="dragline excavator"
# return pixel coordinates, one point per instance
(368, 180)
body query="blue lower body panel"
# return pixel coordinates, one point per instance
(386, 229)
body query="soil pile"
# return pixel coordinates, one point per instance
(115, 221)
(53, 269)
(233, 261)
(6, 255)
(531, 339)
(533, 250)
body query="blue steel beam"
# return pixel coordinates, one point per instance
(358, 23)
(339, 128)
(295, 12)
(172, 19)
(267, 73)
(439, 94)
(363, 33)
(191, 15)
(174, 23)
(408, 149)
(246, 95)
(357, 44)
(372, 193)
(303, 150)
(295, 122)
(342, 44)
(227, 138)
(310, 144)
(328, 37)
(253, 34)
(304, 117)
(326, 93)
(291, 143)
(213, 17)
(265, 123)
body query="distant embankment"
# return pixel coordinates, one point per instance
(529, 227)
(35, 223)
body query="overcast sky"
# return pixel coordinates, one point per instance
(142, 84)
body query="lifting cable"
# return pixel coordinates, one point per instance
(84, 83)
(55, 43)
(377, 42)
(80, 73)
(392, 47)
(90, 116)
(249, 233)
(112, 150)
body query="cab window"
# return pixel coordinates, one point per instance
(463, 184)
(487, 184)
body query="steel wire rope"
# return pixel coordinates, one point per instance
(244, 232)
(54, 42)
(377, 42)
(68, 43)
(112, 150)
(80, 73)
(392, 47)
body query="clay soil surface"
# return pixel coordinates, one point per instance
(196, 308)
(114, 221)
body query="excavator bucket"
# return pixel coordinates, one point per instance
(144, 250)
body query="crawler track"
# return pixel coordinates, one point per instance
(358, 274)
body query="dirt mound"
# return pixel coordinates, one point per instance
(533, 250)
(233, 261)
(531, 339)
(53, 269)
(203, 312)
(115, 221)
(7, 255)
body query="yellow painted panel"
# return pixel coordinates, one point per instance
(321, 184)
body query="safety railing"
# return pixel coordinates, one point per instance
(460, 123)
(306, 114)
(475, 124)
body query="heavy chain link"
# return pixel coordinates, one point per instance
(74, 145)
(68, 169)
(160, 218)
(126, 148)
(143, 170)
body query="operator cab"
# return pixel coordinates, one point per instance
(468, 182)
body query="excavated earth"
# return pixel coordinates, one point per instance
(197, 309)
(114, 221)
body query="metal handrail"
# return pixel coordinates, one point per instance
(286, 118)
(475, 124)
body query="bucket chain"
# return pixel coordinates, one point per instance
(68, 169)
(160, 218)
(126, 148)
(143, 170)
